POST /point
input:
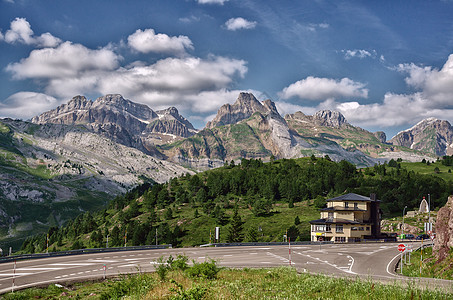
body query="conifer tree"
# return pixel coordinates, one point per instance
(235, 230)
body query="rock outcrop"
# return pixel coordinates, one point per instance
(429, 135)
(126, 122)
(443, 243)
(244, 107)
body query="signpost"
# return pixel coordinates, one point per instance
(401, 249)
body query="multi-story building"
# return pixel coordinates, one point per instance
(348, 218)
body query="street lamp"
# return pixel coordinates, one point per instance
(402, 228)
(429, 213)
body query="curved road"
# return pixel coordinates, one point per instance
(374, 260)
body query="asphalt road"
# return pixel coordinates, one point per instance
(370, 261)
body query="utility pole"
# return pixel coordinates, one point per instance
(107, 244)
(402, 228)
(156, 236)
(429, 212)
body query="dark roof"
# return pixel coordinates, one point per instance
(351, 197)
(342, 208)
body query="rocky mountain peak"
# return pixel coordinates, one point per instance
(117, 104)
(329, 118)
(425, 134)
(326, 118)
(244, 107)
(77, 102)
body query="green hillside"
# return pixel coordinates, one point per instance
(252, 201)
(37, 209)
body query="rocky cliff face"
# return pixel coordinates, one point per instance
(430, 135)
(244, 107)
(57, 171)
(126, 122)
(253, 129)
(443, 243)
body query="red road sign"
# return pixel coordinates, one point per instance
(401, 247)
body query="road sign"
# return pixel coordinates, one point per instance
(401, 247)
(429, 232)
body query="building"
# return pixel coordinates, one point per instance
(348, 218)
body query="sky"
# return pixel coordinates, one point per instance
(385, 65)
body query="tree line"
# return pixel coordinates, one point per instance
(143, 215)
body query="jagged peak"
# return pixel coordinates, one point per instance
(168, 111)
(422, 124)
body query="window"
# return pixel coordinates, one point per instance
(368, 228)
(354, 228)
(361, 228)
(356, 205)
(328, 228)
(330, 216)
(340, 239)
(339, 228)
(346, 204)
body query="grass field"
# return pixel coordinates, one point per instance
(276, 283)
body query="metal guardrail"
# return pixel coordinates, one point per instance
(80, 251)
(262, 244)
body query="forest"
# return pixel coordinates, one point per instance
(164, 213)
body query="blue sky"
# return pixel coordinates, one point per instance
(384, 64)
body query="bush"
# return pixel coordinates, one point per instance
(206, 270)
(179, 263)
(162, 268)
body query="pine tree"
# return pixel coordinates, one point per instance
(235, 230)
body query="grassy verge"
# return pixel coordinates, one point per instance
(428, 266)
(277, 283)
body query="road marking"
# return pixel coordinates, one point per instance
(344, 269)
(266, 262)
(388, 265)
(17, 274)
(131, 259)
(38, 269)
(228, 255)
(129, 265)
(72, 264)
(103, 261)
(253, 253)
(72, 274)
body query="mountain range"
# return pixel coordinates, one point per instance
(81, 154)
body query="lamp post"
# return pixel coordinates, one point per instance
(429, 212)
(402, 228)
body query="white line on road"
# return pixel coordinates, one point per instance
(17, 274)
(38, 269)
(71, 264)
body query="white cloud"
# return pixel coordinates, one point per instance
(221, 2)
(358, 53)
(315, 88)
(1, 36)
(435, 85)
(285, 108)
(25, 105)
(66, 61)
(147, 40)
(189, 19)
(191, 83)
(239, 23)
(20, 32)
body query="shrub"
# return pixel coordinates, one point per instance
(206, 270)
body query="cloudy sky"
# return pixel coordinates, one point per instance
(384, 64)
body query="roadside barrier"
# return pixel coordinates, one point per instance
(80, 251)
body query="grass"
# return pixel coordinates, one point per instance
(429, 266)
(275, 283)
(273, 225)
(425, 169)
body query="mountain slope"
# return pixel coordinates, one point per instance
(56, 171)
(253, 129)
(430, 135)
(126, 122)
